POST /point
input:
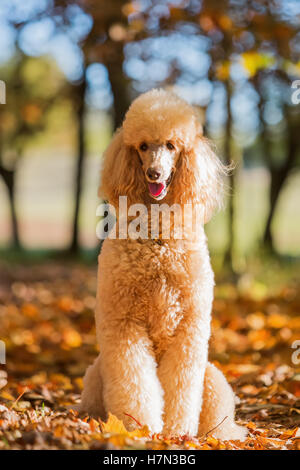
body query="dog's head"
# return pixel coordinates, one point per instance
(160, 154)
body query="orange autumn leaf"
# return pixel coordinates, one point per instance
(31, 113)
(290, 433)
(251, 344)
(223, 70)
(94, 425)
(30, 310)
(212, 441)
(65, 303)
(225, 22)
(276, 320)
(72, 338)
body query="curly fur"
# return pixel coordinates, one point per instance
(154, 299)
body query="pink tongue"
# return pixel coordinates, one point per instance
(156, 188)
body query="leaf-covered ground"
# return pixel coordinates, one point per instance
(46, 322)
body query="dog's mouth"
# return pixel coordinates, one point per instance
(159, 190)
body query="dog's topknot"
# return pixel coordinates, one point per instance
(158, 116)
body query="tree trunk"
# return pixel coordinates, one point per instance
(9, 180)
(278, 179)
(229, 253)
(278, 174)
(119, 85)
(80, 96)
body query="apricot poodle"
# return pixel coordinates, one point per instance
(154, 294)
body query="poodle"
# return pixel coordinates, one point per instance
(154, 294)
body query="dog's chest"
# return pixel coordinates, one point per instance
(164, 315)
(166, 282)
(150, 283)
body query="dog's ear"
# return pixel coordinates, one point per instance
(121, 172)
(200, 177)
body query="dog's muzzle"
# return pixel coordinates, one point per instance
(159, 190)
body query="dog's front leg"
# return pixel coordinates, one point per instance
(129, 373)
(181, 373)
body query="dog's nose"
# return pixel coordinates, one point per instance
(153, 174)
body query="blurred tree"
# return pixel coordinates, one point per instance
(99, 29)
(24, 115)
(218, 21)
(103, 43)
(264, 54)
(275, 136)
(77, 93)
(262, 37)
(243, 39)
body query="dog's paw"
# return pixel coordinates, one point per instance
(230, 432)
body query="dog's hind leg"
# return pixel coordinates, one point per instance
(217, 414)
(91, 397)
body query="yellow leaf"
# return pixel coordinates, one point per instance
(253, 61)
(115, 426)
(292, 68)
(6, 395)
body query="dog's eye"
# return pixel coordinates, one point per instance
(143, 147)
(170, 146)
